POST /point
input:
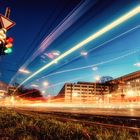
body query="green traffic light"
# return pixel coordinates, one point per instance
(8, 50)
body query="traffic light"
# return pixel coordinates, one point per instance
(6, 43)
(6, 46)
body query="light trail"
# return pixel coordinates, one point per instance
(89, 66)
(86, 107)
(34, 85)
(102, 31)
(57, 84)
(79, 68)
(67, 22)
(74, 79)
(24, 71)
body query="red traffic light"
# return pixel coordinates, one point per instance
(9, 40)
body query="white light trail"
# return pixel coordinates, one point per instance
(24, 71)
(89, 66)
(71, 80)
(67, 22)
(102, 31)
(95, 65)
(84, 53)
(56, 53)
(34, 85)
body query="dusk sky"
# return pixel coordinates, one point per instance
(46, 29)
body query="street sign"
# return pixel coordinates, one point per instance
(6, 22)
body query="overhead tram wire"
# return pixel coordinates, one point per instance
(38, 38)
(59, 29)
(100, 63)
(27, 60)
(90, 38)
(59, 83)
(96, 64)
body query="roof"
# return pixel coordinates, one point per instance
(129, 76)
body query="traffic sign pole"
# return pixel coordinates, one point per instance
(5, 24)
(7, 12)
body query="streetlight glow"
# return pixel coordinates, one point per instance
(97, 78)
(45, 83)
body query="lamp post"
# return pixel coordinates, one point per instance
(97, 78)
(45, 85)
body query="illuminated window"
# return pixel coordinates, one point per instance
(128, 83)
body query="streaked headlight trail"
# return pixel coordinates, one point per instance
(108, 41)
(97, 34)
(93, 65)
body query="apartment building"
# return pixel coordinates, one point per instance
(126, 88)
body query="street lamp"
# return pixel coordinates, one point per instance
(45, 83)
(109, 96)
(43, 91)
(97, 78)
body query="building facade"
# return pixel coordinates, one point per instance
(128, 86)
(122, 89)
(3, 86)
(83, 91)
(3, 89)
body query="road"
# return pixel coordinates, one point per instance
(97, 117)
(120, 109)
(130, 112)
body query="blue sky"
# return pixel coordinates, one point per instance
(36, 19)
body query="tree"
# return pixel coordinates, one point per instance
(105, 79)
(27, 93)
(31, 93)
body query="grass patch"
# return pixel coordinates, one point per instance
(14, 126)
